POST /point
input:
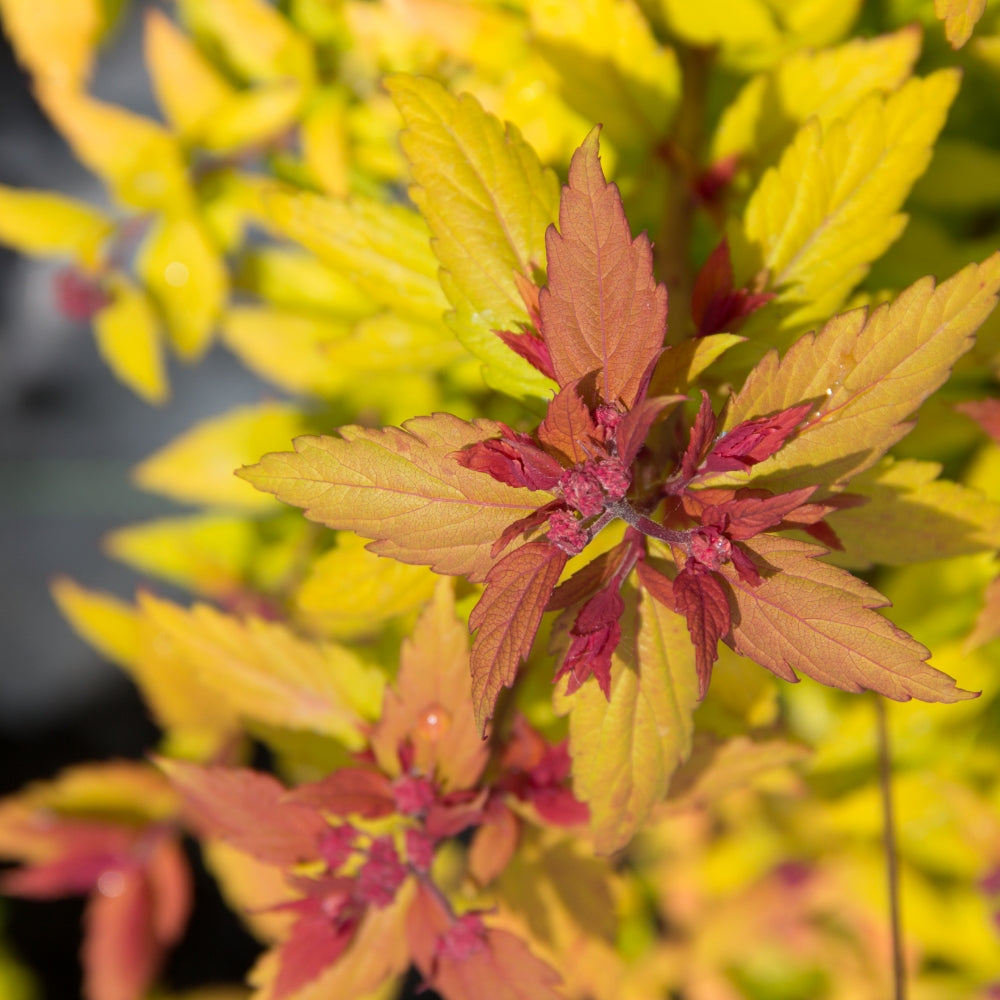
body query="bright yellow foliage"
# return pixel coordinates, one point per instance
(37, 222)
(55, 41)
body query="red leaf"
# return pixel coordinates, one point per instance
(316, 941)
(513, 459)
(701, 598)
(69, 876)
(715, 304)
(986, 413)
(493, 843)
(746, 516)
(659, 586)
(348, 791)
(634, 426)
(507, 617)
(754, 440)
(602, 310)
(531, 348)
(120, 954)
(169, 881)
(569, 428)
(702, 433)
(462, 959)
(595, 635)
(249, 810)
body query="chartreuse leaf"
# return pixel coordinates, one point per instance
(602, 310)
(54, 42)
(139, 160)
(382, 248)
(403, 488)
(263, 672)
(326, 142)
(754, 34)
(611, 67)
(37, 222)
(867, 373)
(912, 516)
(197, 722)
(625, 749)
(831, 206)
(827, 84)
(207, 553)
(682, 363)
(427, 708)
(960, 17)
(198, 466)
(254, 39)
(809, 616)
(183, 271)
(487, 200)
(350, 591)
(188, 88)
(127, 331)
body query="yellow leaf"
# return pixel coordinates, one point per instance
(253, 37)
(828, 85)
(960, 17)
(912, 516)
(54, 41)
(254, 116)
(128, 338)
(197, 467)
(754, 34)
(487, 200)
(382, 248)
(37, 222)
(625, 750)
(183, 271)
(136, 157)
(207, 553)
(286, 348)
(108, 624)
(831, 206)
(326, 142)
(350, 591)
(188, 88)
(612, 69)
(868, 373)
(263, 672)
(682, 363)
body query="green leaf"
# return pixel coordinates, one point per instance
(403, 488)
(625, 750)
(867, 373)
(487, 200)
(831, 206)
(808, 616)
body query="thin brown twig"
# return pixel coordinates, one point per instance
(891, 852)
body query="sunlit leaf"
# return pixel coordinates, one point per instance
(55, 42)
(37, 222)
(107, 623)
(960, 17)
(487, 200)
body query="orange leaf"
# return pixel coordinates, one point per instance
(602, 309)
(507, 617)
(820, 620)
(402, 488)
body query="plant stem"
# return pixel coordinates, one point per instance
(891, 852)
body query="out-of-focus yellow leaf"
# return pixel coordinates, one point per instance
(54, 41)
(198, 466)
(108, 624)
(754, 34)
(960, 17)
(326, 143)
(188, 88)
(286, 348)
(625, 750)
(350, 591)
(487, 200)
(262, 671)
(912, 516)
(182, 269)
(254, 116)
(386, 343)
(254, 38)
(206, 553)
(128, 337)
(961, 175)
(611, 67)
(41, 223)
(831, 206)
(139, 160)
(288, 277)
(827, 84)
(384, 249)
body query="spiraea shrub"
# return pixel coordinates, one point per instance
(610, 574)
